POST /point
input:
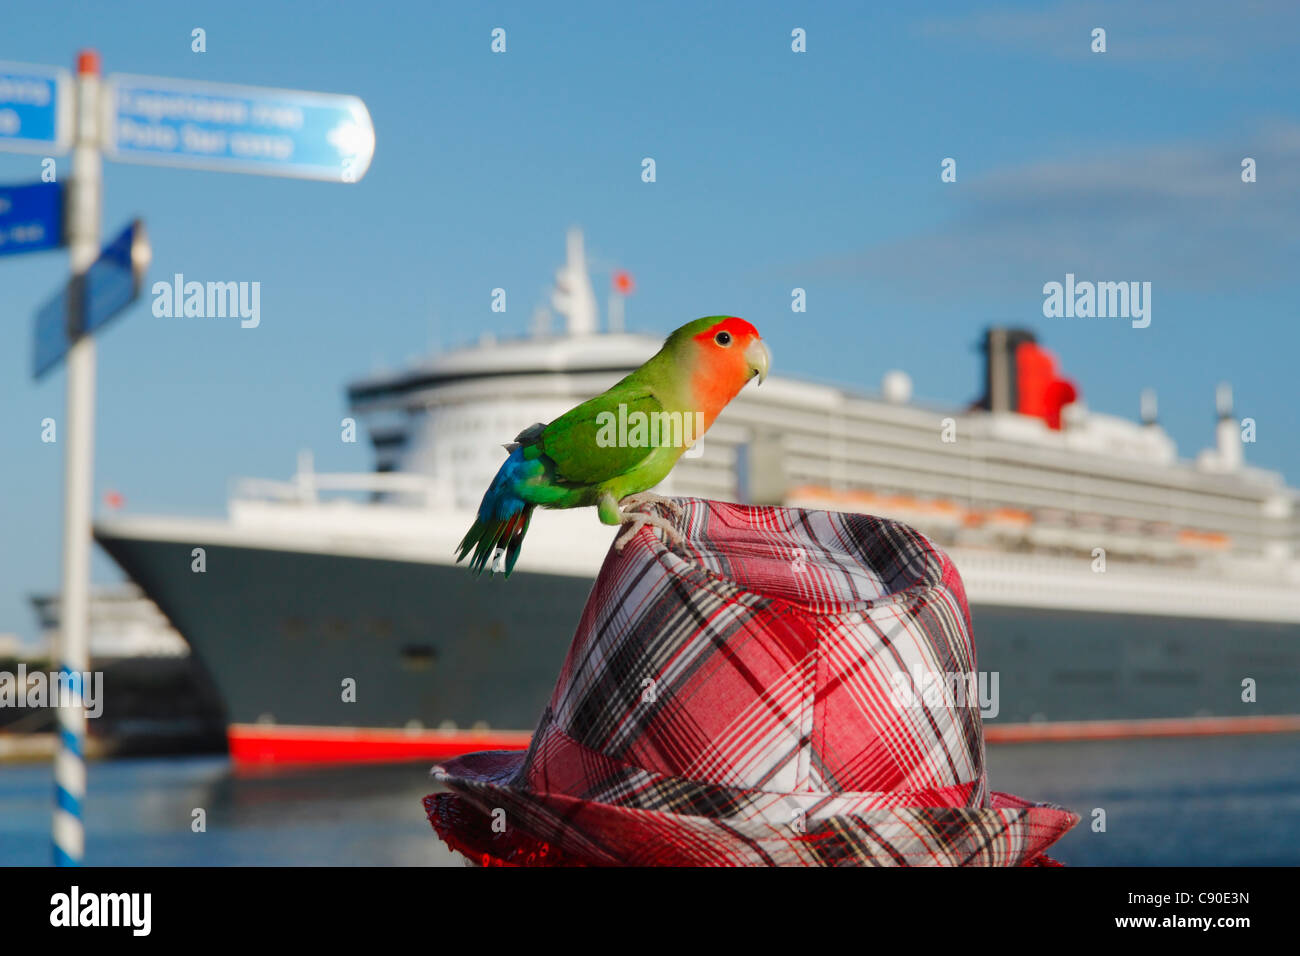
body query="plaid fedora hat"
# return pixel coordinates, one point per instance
(737, 702)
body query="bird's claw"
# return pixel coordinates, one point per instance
(643, 498)
(637, 521)
(631, 513)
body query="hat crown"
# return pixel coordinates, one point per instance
(816, 655)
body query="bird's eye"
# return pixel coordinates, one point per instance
(723, 339)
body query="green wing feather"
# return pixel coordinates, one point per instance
(571, 440)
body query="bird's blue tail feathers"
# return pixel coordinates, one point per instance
(502, 520)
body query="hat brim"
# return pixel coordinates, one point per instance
(484, 815)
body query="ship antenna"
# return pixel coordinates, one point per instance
(1149, 407)
(1228, 438)
(1223, 400)
(621, 287)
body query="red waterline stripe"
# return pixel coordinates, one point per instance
(260, 744)
(1117, 729)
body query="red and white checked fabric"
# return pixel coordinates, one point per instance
(736, 703)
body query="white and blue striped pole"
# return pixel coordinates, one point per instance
(70, 776)
(85, 200)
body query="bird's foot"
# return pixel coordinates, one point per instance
(634, 521)
(643, 498)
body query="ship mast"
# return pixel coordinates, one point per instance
(573, 297)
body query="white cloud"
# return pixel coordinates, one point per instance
(1173, 212)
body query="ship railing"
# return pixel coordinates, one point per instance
(307, 487)
(1047, 530)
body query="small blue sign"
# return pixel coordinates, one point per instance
(35, 108)
(31, 218)
(239, 129)
(83, 305)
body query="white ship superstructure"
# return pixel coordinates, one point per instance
(986, 479)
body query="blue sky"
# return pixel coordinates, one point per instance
(775, 170)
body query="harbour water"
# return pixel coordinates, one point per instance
(1175, 802)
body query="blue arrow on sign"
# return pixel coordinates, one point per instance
(35, 108)
(31, 217)
(88, 302)
(239, 129)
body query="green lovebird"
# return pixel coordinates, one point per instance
(607, 451)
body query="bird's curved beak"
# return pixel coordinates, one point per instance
(758, 358)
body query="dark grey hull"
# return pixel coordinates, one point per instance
(280, 632)
(1064, 665)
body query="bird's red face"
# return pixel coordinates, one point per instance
(730, 353)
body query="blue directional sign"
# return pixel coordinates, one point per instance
(31, 217)
(111, 284)
(35, 108)
(239, 129)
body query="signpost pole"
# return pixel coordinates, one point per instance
(85, 200)
(151, 120)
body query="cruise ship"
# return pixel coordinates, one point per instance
(1115, 587)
